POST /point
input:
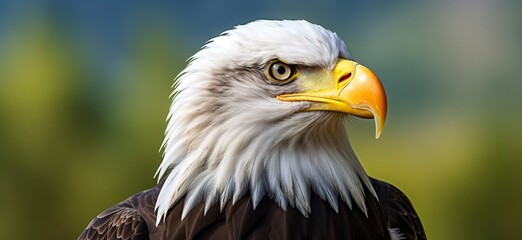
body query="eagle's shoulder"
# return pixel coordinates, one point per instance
(129, 219)
(398, 211)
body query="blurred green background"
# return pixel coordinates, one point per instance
(84, 89)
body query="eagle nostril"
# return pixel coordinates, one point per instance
(345, 77)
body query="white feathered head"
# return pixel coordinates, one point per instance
(260, 109)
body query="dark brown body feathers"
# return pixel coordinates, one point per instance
(135, 219)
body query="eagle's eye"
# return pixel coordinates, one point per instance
(281, 72)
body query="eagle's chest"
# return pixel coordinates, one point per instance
(269, 221)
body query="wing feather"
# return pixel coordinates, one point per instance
(129, 220)
(119, 222)
(399, 211)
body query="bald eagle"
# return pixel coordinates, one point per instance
(255, 147)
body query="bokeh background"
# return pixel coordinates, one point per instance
(84, 89)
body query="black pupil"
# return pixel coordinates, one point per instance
(281, 70)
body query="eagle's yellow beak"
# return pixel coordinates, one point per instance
(350, 88)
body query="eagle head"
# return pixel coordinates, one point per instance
(260, 109)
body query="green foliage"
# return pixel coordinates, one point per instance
(66, 155)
